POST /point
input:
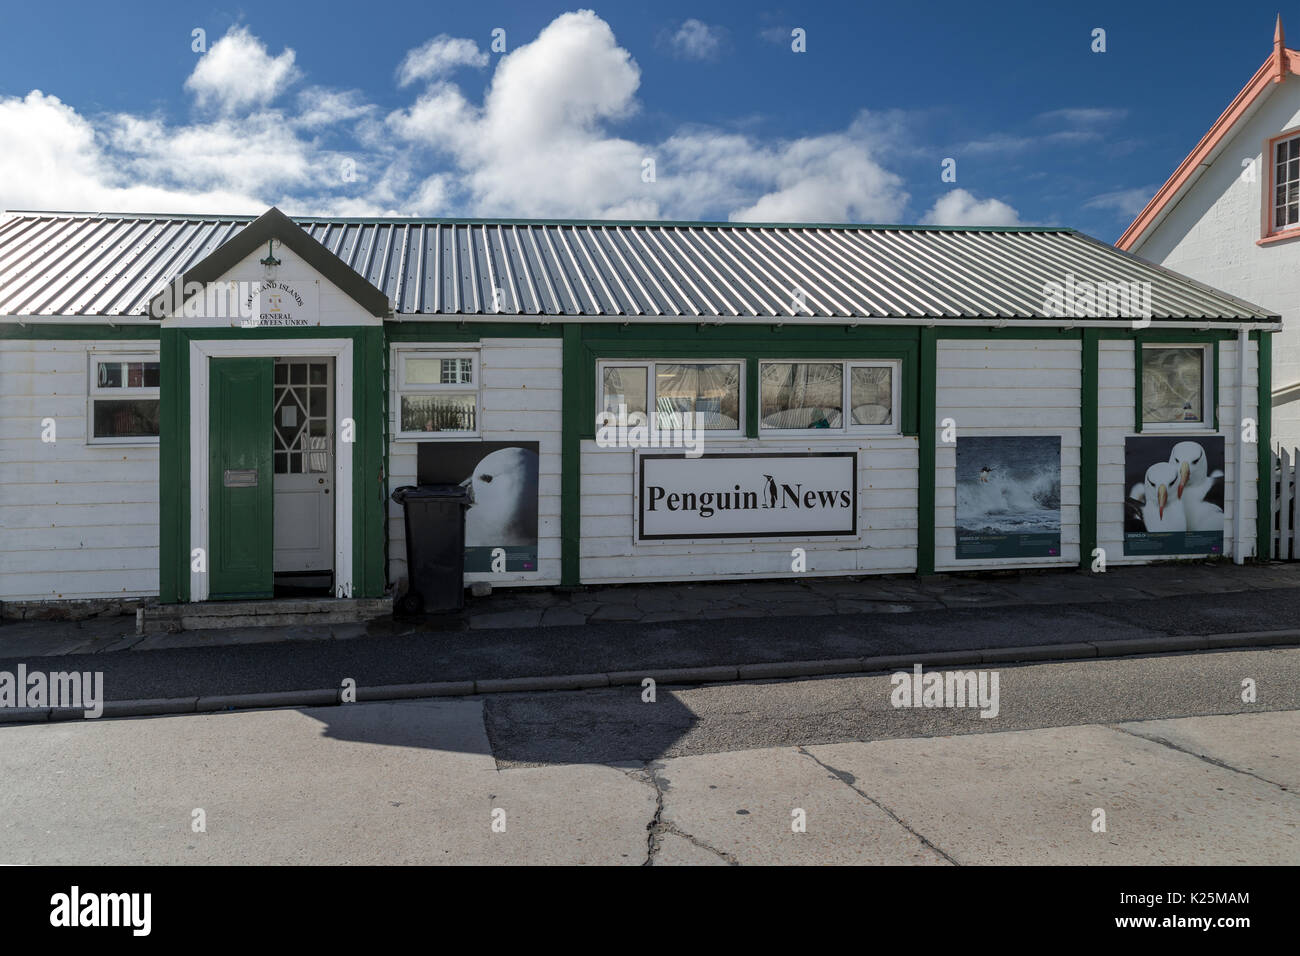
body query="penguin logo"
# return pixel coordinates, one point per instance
(771, 492)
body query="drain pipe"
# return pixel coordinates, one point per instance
(1239, 503)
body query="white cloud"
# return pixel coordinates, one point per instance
(1084, 116)
(546, 139)
(51, 158)
(959, 208)
(1128, 202)
(238, 73)
(440, 55)
(696, 40)
(542, 144)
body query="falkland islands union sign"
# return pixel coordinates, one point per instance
(275, 304)
(746, 495)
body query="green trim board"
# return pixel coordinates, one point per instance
(1089, 434)
(573, 425)
(63, 331)
(1264, 490)
(926, 389)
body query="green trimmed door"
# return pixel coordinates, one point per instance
(240, 495)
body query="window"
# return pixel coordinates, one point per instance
(123, 398)
(1286, 184)
(704, 395)
(812, 396)
(1176, 391)
(437, 392)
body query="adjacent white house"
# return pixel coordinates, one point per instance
(1230, 215)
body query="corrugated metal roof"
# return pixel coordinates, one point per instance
(110, 264)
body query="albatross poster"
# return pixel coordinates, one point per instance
(502, 482)
(1174, 499)
(1009, 497)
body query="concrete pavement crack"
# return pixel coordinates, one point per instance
(1164, 742)
(844, 778)
(657, 827)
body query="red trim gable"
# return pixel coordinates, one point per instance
(1275, 69)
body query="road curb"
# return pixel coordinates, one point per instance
(768, 670)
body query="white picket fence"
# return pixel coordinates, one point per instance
(1284, 505)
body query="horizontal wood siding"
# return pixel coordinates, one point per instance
(886, 540)
(76, 520)
(1007, 387)
(1115, 420)
(521, 402)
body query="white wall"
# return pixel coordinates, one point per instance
(1115, 418)
(521, 401)
(1007, 387)
(76, 520)
(886, 540)
(1213, 231)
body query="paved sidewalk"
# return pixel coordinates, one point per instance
(706, 601)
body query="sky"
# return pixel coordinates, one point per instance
(947, 113)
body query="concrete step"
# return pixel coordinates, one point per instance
(206, 615)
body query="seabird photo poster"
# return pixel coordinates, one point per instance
(1009, 496)
(502, 481)
(1173, 494)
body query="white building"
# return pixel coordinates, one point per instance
(208, 408)
(1230, 215)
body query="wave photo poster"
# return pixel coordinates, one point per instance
(1008, 496)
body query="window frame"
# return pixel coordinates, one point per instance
(1269, 232)
(652, 392)
(846, 428)
(1209, 386)
(402, 353)
(96, 392)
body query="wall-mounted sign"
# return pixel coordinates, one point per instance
(1175, 497)
(501, 521)
(279, 304)
(1009, 496)
(746, 495)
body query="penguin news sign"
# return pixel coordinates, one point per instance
(746, 495)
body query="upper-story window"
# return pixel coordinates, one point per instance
(1286, 183)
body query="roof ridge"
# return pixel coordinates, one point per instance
(494, 221)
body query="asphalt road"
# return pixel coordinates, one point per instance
(816, 771)
(377, 658)
(614, 725)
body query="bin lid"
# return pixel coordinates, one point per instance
(441, 492)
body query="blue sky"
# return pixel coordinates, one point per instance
(405, 109)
